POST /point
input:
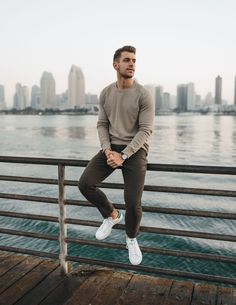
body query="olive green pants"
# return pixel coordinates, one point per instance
(133, 171)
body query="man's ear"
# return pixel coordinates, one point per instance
(115, 65)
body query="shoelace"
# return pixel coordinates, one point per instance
(132, 249)
(105, 221)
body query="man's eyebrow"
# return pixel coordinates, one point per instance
(128, 58)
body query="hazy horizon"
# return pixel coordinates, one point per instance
(177, 42)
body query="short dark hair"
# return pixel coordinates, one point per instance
(118, 52)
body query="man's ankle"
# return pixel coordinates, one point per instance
(115, 214)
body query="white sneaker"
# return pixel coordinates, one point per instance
(105, 229)
(135, 254)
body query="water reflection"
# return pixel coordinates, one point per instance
(76, 132)
(176, 139)
(48, 131)
(73, 132)
(216, 142)
(234, 145)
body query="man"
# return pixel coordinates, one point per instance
(125, 122)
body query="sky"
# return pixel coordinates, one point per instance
(177, 41)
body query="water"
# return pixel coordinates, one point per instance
(200, 140)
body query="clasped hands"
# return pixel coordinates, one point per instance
(113, 158)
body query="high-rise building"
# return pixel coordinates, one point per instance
(35, 97)
(209, 100)
(26, 96)
(182, 98)
(21, 97)
(2, 98)
(235, 91)
(166, 101)
(18, 97)
(190, 97)
(76, 88)
(62, 101)
(2, 94)
(91, 99)
(47, 90)
(198, 102)
(186, 97)
(218, 90)
(158, 98)
(173, 102)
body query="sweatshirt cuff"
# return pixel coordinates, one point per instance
(128, 151)
(106, 146)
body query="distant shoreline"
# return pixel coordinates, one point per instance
(85, 114)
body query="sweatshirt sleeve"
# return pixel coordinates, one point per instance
(145, 125)
(103, 124)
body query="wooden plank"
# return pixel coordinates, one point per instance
(144, 290)
(65, 290)
(90, 288)
(17, 272)
(112, 290)
(162, 289)
(4, 255)
(204, 294)
(180, 294)
(9, 263)
(43, 289)
(26, 283)
(107, 292)
(226, 296)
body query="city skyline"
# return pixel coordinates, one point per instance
(75, 97)
(177, 42)
(74, 94)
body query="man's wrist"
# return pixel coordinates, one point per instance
(124, 156)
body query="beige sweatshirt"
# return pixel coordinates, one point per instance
(125, 117)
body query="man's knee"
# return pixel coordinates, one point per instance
(132, 201)
(85, 185)
(133, 206)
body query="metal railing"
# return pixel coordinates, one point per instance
(63, 220)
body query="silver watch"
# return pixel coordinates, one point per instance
(124, 156)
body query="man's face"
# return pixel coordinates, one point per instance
(125, 66)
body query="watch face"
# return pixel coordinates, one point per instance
(124, 156)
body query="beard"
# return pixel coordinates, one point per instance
(125, 76)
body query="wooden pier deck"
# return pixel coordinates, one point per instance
(27, 280)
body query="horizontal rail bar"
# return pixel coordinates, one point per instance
(222, 237)
(198, 169)
(160, 251)
(120, 186)
(166, 189)
(29, 179)
(104, 263)
(29, 216)
(161, 271)
(223, 170)
(29, 252)
(179, 190)
(161, 210)
(29, 198)
(43, 161)
(162, 231)
(29, 234)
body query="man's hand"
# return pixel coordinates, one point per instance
(107, 152)
(113, 158)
